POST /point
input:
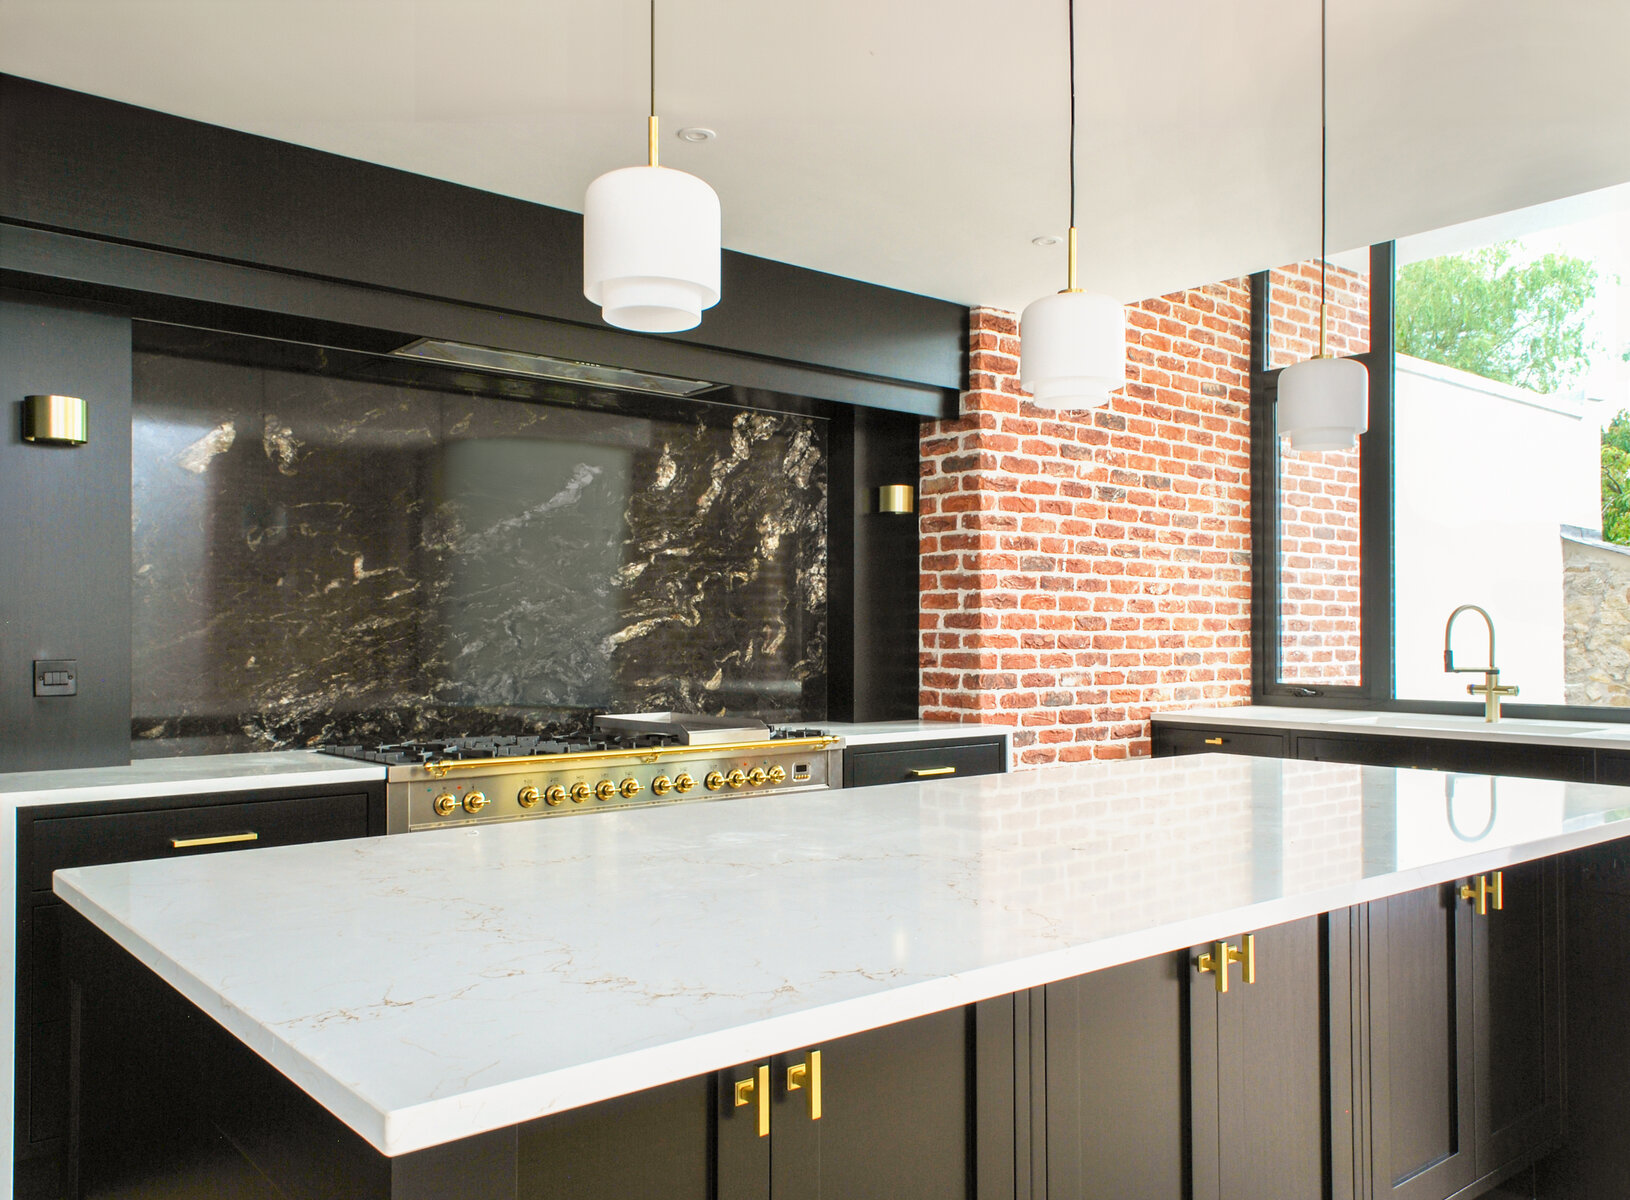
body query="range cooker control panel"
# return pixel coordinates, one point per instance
(502, 791)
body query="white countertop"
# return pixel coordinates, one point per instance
(879, 733)
(183, 777)
(425, 987)
(1601, 735)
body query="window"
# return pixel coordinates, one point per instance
(1496, 471)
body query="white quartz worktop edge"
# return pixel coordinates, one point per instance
(910, 841)
(1347, 721)
(882, 733)
(184, 776)
(433, 1123)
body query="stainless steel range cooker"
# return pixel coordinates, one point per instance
(627, 760)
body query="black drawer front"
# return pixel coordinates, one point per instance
(865, 766)
(61, 842)
(1172, 740)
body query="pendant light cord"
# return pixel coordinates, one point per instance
(1072, 113)
(651, 123)
(1324, 168)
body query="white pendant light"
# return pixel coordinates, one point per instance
(651, 241)
(1072, 346)
(1324, 403)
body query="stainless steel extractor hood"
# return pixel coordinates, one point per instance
(541, 366)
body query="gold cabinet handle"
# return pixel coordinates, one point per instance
(925, 772)
(758, 1088)
(800, 1073)
(1486, 895)
(218, 840)
(1216, 960)
(1246, 958)
(1214, 741)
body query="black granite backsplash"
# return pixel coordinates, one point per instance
(322, 559)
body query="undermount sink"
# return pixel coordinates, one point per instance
(1428, 721)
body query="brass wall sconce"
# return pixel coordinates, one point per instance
(55, 420)
(896, 498)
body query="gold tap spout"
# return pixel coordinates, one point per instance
(1491, 688)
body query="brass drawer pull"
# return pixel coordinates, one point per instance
(1214, 741)
(925, 772)
(800, 1073)
(1485, 895)
(758, 1087)
(218, 840)
(1216, 961)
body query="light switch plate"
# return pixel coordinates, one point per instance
(56, 677)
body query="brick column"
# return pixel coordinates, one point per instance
(1082, 570)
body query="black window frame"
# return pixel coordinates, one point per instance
(1377, 561)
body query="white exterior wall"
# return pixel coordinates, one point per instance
(1486, 473)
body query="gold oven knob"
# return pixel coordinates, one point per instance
(553, 794)
(737, 778)
(605, 789)
(630, 788)
(475, 802)
(756, 777)
(528, 797)
(580, 792)
(714, 781)
(662, 785)
(777, 775)
(683, 782)
(445, 804)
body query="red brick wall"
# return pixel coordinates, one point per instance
(1082, 570)
(1318, 494)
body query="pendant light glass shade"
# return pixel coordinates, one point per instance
(1324, 403)
(651, 248)
(1072, 349)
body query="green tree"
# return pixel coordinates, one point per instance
(1519, 323)
(1616, 479)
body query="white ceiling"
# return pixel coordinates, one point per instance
(916, 143)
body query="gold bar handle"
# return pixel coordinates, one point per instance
(1216, 960)
(810, 1072)
(1246, 958)
(223, 839)
(1214, 741)
(757, 1087)
(925, 772)
(1483, 894)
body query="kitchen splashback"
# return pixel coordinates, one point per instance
(322, 558)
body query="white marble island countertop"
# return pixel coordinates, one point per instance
(429, 986)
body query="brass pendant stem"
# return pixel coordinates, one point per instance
(653, 139)
(1324, 320)
(1072, 284)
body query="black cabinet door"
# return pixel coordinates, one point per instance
(1516, 952)
(1270, 1065)
(1158, 1087)
(894, 1115)
(1420, 1032)
(1260, 1060)
(651, 1143)
(1117, 1089)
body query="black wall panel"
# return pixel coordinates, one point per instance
(65, 538)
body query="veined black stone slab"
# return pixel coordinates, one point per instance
(327, 559)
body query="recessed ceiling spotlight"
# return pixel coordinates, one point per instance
(696, 133)
(1046, 239)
